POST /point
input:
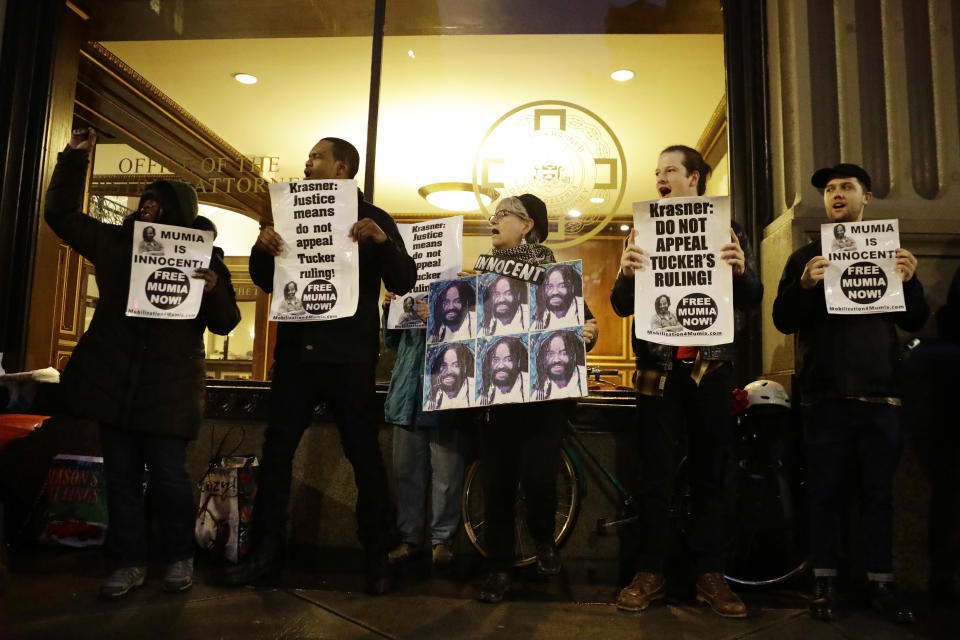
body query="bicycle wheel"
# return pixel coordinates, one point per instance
(765, 530)
(568, 505)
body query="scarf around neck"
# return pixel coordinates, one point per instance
(532, 253)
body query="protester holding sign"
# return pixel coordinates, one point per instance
(846, 371)
(428, 447)
(520, 442)
(142, 379)
(683, 390)
(330, 360)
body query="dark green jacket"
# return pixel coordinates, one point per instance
(140, 374)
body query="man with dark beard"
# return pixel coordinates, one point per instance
(503, 366)
(559, 360)
(453, 307)
(557, 295)
(505, 307)
(451, 378)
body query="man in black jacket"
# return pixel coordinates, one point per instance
(331, 361)
(851, 408)
(684, 390)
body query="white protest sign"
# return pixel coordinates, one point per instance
(862, 275)
(164, 258)
(437, 248)
(317, 276)
(684, 293)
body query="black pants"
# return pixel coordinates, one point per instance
(841, 435)
(697, 415)
(170, 492)
(520, 444)
(349, 390)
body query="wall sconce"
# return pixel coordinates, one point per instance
(456, 196)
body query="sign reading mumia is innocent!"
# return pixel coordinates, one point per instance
(317, 275)
(861, 276)
(163, 261)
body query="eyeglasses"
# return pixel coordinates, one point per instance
(500, 215)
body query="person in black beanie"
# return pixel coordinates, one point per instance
(521, 442)
(142, 379)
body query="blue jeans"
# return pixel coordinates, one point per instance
(434, 454)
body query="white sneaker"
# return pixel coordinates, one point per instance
(179, 576)
(122, 581)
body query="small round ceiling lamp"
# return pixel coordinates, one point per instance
(456, 196)
(622, 75)
(245, 78)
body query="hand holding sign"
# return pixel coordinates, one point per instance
(423, 310)
(906, 264)
(814, 272)
(366, 230)
(732, 254)
(631, 260)
(209, 277)
(590, 330)
(270, 241)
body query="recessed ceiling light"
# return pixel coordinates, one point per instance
(596, 200)
(622, 75)
(245, 78)
(573, 213)
(624, 227)
(411, 54)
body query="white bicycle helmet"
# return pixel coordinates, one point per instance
(767, 394)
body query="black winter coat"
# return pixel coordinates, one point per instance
(139, 374)
(843, 355)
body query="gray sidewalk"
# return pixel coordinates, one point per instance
(55, 597)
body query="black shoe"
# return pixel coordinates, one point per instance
(263, 561)
(884, 598)
(494, 587)
(377, 574)
(823, 605)
(548, 559)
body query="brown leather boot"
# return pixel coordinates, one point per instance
(644, 589)
(712, 589)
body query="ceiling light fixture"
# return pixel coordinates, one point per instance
(573, 213)
(411, 54)
(622, 75)
(597, 200)
(245, 78)
(624, 227)
(456, 196)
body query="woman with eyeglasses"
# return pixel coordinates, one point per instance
(521, 442)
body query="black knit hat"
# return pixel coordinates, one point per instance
(537, 211)
(177, 199)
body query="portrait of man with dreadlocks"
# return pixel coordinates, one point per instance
(558, 302)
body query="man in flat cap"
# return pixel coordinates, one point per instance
(851, 409)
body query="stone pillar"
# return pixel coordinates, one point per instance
(874, 82)
(851, 83)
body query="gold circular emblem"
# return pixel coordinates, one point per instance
(562, 153)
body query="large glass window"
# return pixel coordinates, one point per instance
(477, 100)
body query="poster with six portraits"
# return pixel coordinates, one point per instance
(495, 339)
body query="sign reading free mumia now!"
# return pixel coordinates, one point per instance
(862, 276)
(684, 293)
(317, 275)
(164, 259)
